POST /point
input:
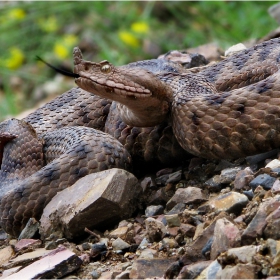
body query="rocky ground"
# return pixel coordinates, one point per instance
(203, 219)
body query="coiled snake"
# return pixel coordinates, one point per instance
(225, 111)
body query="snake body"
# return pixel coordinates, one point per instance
(227, 110)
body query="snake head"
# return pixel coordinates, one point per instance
(144, 100)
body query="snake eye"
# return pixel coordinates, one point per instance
(106, 68)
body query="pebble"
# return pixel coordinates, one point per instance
(173, 220)
(264, 180)
(155, 229)
(120, 244)
(154, 210)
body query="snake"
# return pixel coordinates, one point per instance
(152, 109)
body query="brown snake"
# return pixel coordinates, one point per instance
(226, 111)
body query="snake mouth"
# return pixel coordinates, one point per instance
(95, 85)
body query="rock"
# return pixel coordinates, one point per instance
(239, 271)
(273, 164)
(258, 223)
(123, 275)
(249, 194)
(148, 268)
(226, 235)
(229, 174)
(234, 49)
(56, 264)
(25, 259)
(24, 244)
(189, 195)
(96, 200)
(95, 274)
(155, 229)
(154, 210)
(264, 180)
(10, 271)
(178, 208)
(120, 232)
(168, 243)
(207, 248)
(119, 244)
(159, 197)
(29, 230)
(174, 177)
(173, 220)
(231, 202)
(97, 249)
(50, 245)
(5, 254)
(173, 270)
(187, 230)
(211, 271)
(242, 178)
(191, 271)
(276, 187)
(272, 225)
(244, 254)
(147, 254)
(214, 184)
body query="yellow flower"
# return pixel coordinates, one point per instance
(140, 27)
(61, 51)
(70, 40)
(16, 14)
(128, 39)
(15, 59)
(48, 24)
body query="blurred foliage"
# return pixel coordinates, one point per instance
(120, 32)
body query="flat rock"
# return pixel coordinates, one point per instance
(55, 264)
(264, 180)
(27, 244)
(231, 202)
(5, 254)
(226, 235)
(187, 195)
(26, 258)
(95, 201)
(148, 268)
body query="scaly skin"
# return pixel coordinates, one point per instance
(226, 111)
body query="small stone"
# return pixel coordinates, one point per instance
(234, 49)
(214, 184)
(173, 270)
(97, 249)
(211, 271)
(249, 194)
(147, 254)
(173, 220)
(173, 231)
(119, 244)
(95, 274)
(231, 202)
(154, 210)
(242, 178)
(146, 183)
(264, 180)
(169, 243)
(120, 232)
(276, 187)
(189, 195)
(187, 230)
(155, 229)
(229, 174)
(239, 271)
(174, 177)
(30, 229)
(162, 180)
(226, 235)
(56, 264)
(10, 271)
(273, 224)
(50, 245)
(275, 163)
(148, 268)
(178, 208)
(191, 271)
(85, 246)
(207, 248)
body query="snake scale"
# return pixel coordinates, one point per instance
(225, 111)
